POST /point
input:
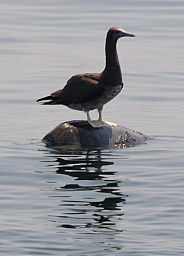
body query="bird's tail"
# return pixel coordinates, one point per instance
(46, 98)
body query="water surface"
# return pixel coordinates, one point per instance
(111, 202)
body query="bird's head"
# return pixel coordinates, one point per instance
(116, 32)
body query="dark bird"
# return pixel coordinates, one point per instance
(87, 92)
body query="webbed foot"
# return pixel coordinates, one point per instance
(96, 123)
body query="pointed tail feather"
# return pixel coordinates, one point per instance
(51, 100)
(45, 98)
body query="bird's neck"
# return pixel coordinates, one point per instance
(112, 72)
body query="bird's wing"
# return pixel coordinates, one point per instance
(79, 89)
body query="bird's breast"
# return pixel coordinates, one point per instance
(109, 93)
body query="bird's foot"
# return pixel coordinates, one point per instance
(96, 123)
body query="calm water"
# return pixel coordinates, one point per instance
(120, 202)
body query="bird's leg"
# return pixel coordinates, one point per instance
(95, 123)
(100, 114)
(88, 117)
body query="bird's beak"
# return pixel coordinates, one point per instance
(122, 33)
(131, 35)
(125, 33)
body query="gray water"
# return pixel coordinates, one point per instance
(111, 202)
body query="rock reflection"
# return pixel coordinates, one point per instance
(88, 167)
(93, 199)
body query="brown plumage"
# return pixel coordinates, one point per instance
(86, 92)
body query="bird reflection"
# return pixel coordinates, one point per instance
(93, 199)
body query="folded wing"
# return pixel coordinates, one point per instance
(79, 89)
